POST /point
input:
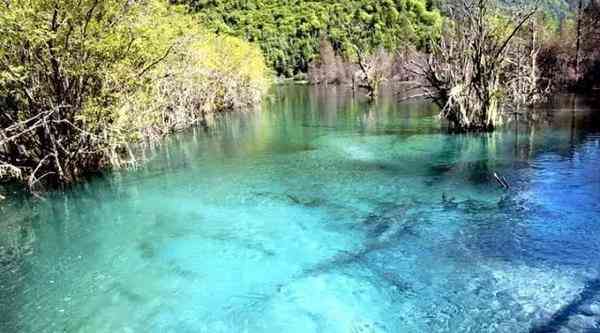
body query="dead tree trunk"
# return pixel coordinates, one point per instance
(374, 70)
(470, 67)
(578, 40)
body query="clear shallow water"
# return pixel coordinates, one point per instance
(321, 214)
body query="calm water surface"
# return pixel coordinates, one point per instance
(321, 214)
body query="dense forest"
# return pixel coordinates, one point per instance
(365, 43)
(289, 31)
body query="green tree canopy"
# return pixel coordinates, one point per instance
(289, 31)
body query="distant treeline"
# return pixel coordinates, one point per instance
(289, 31)
(291, 34)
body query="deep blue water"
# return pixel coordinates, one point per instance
(321, 213)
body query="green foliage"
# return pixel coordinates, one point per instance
(198, 73)
(289, 31)
(79, 83)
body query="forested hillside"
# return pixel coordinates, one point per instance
(289, 30)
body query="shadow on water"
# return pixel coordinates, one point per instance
(581, 305)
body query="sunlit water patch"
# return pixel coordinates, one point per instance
(321, 214)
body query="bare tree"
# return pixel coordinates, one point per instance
(578, 39)
(476, 68)
(374, 69)
(589, 52)
(524, 85)
(324, 69)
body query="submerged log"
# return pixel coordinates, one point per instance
(502, 181)
(585, 306)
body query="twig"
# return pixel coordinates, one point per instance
(405, 98)
(502, 181)
(157, 61)
(32, 179)
(514, 32)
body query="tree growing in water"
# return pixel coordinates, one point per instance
(475, 66)
(367, 47)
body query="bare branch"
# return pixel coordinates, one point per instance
(157, 61)
(514, 32)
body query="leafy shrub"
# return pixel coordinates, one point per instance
(78, 84)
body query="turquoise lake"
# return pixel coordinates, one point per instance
(321, 213)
